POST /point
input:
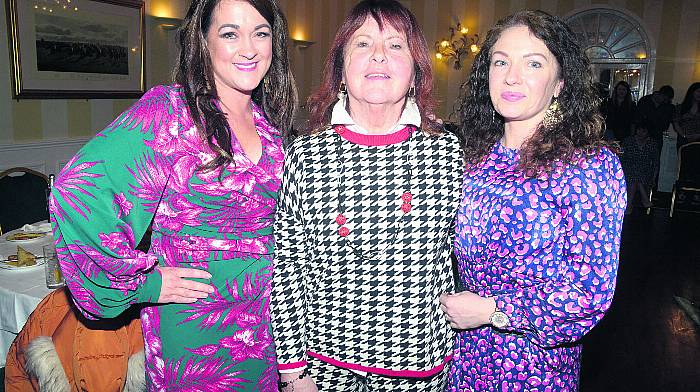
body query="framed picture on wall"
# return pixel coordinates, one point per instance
(76, 48)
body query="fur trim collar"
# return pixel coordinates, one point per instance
(42, 363)
(136, 373)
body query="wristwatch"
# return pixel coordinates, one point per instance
(499, 319)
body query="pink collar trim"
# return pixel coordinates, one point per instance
(382, 371)
(374, 140)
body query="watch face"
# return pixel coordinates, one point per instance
(499, 319)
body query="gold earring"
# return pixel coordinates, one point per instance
(342, 91)
(553, 115)
(266, 85)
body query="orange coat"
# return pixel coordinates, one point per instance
(57, 350)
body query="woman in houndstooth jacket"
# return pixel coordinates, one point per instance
(364, 224)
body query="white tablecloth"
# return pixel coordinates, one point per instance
(20, 291)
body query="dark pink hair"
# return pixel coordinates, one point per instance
(321, 101)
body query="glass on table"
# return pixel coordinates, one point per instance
(54, 277)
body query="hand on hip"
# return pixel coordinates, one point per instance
(177, 288)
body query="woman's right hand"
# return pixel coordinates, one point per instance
(175, 288)
(304, 384)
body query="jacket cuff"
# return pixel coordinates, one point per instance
(150, 290)
(292, 367)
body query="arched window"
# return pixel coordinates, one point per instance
(618, 47)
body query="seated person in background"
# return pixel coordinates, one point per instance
(686, 119)
(58, 350)
(640, 162)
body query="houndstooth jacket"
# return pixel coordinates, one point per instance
(367, 301)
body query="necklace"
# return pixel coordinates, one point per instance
(405, 196)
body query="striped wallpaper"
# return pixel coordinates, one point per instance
(672, 26)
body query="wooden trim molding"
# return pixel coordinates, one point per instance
(45, 156)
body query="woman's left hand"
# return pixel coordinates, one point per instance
(467, 310)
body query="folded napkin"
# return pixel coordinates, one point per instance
(39, 227)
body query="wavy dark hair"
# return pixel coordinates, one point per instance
(627, 103)
(195, 75)
(688, 100)
(321, 101)
(580, 130)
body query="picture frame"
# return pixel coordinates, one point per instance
(76, 48)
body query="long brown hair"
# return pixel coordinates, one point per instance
(687, 103)
(321, 101)
(195, 76)
(580, 130)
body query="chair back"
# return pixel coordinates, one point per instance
(689, 165)
(22, 197)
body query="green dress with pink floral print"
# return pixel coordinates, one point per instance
(143, 168)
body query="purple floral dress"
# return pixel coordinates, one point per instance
(547, 250)
(143, 168)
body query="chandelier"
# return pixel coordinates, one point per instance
(459, 45)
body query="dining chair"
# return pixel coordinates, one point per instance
(22, 197)
(688, 177)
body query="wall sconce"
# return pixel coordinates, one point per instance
(167, 23)
(301, 44)
(459, 45)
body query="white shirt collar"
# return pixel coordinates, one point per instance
(409, 116)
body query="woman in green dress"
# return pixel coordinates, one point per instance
(201, 162)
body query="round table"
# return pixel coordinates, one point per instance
(20, 290)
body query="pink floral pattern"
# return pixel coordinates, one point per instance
(122, 206)
(202, 376)
(547, 250)
(142, 170)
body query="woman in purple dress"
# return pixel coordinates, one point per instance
(538, 227)
(201, 161)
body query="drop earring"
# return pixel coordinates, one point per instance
(553, 115)
(266, 86)
(342, 91)
(411, 95)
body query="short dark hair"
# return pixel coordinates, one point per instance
(195, 76)
(667, 91)
(579, 131)
(321, 102)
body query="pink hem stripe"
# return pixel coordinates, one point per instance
(384, 372)
(293, 365)
(374, 140)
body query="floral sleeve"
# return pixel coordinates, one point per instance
(564, 309)
(102, 203)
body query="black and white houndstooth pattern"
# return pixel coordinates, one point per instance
(376, 306)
